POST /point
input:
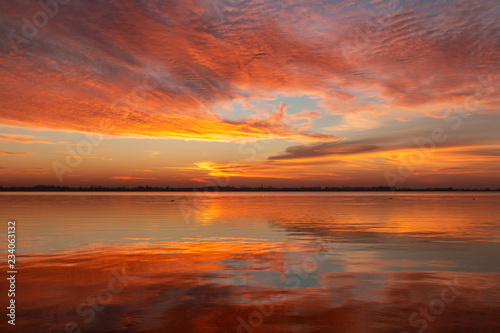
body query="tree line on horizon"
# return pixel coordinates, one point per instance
(92, 188)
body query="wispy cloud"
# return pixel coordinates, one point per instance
(11, 153)
(153, 153)
(23, 139)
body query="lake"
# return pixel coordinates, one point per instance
(254, 262)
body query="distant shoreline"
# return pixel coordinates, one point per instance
(47, 188)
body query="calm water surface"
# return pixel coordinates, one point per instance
(255, 262)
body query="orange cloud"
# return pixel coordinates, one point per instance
(9, 153)
(22, 139)
(330, 164)
(166, 70)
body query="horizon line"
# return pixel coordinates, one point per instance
(147, 188)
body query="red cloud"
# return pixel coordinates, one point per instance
(163, 71)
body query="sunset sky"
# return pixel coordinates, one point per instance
(243, 92)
